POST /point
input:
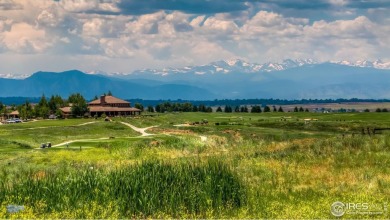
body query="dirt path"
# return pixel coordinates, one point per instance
(140, 130)
(81, 140)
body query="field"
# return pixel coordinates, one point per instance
(237, 165)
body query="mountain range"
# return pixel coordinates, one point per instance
(232, 79)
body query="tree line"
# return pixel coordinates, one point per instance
(189, 107)
(48, 106)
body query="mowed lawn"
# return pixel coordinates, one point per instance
(32, 134)
(238, 165)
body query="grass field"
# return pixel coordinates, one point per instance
(238, 165)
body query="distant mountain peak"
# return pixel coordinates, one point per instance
(377, 64)
(235, 65)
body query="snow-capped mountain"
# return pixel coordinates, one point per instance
(229, 66)
(12, 76)
(377, 64)
(241, 66)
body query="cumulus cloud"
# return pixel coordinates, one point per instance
(10, 5)
(123, 35)
(136, 7)
(90, 6)
(24, 38)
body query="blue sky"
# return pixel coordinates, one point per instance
(125, 35)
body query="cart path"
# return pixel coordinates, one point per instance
(81, 140)
(140, 130)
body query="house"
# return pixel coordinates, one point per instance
(111, 106)
(66, 111)
(14, 114)
(108, 105)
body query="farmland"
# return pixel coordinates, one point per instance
(237, 165)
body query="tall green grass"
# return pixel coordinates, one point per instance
(141, 190)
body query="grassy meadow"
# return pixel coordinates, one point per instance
(238, 165)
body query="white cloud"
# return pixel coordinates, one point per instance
(24, 38)
(74, 28)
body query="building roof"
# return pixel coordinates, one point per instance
(109, 100)
(14, 113)
(66, 109)
(112, 109)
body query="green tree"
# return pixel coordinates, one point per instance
(55, 103)
(244, 109)
(202, 108)
(256, 109)
(378, 110)
(280, 109)
(219, 109)
(42, 109)
(296, 109)
(267, 109)
(385, 110)
(306, 110)
(209, 109)
(109, 93)
(139, 106)
(79, 105)
(366, 110)
(237, 109)
(150, 108)
(228, 109)
(301, 109)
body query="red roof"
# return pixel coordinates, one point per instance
(109, 100)
(112, 109)
(66, 109)
(14, 113)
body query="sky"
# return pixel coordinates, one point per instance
(126, 35)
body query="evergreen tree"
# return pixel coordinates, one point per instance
(209, 109)
(378, 110)
(306, 110)
(237, 109)
(267, 109)
(280, 109)
(42, 109)
(195, 108)
(228, 109)
(150, 108)
(55, 103)
(366, 110)
(139, 106)
(256, 109)
(301, 109)
(219, 109)
(296, 109)
(109, 93)
(274, 108)
(158, 108)
(79, 105)
(202, 108)
(384, 110)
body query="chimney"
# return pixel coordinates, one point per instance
(102, 99)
